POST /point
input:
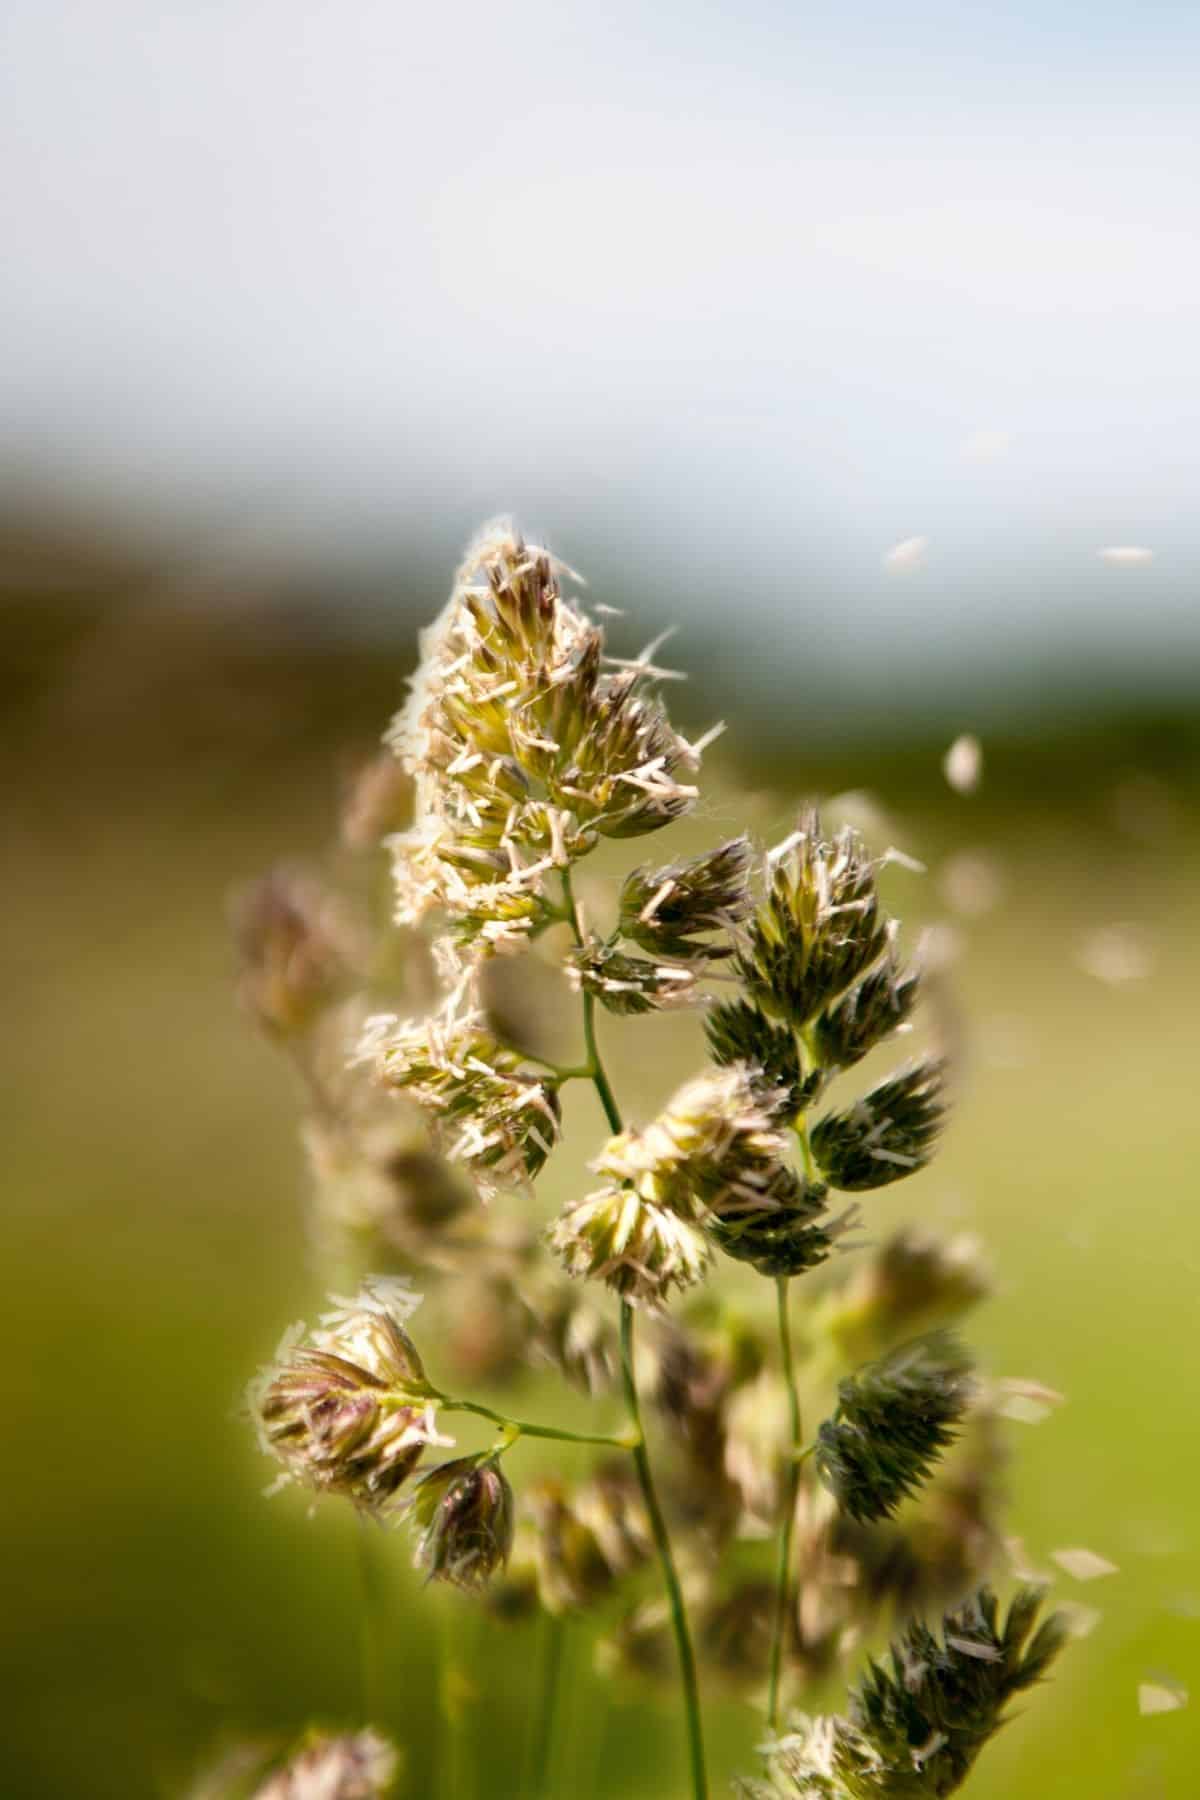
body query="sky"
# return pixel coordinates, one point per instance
(725, 302)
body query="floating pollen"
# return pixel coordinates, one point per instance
(1116, 954)
(1080, 1621)
(1126, 556)
(906, 556)
(962, 764)
(1153, 1697)
(1083, 1565)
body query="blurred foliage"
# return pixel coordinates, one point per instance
(161, 746)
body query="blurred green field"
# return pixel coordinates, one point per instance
(158, 1604)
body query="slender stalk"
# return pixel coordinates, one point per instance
(791, 1490)
(807, 1157)
(791, 1484)
(662, 1543)
(560, 1071)
(371, 1627)
(599, 1078)
(595, 1066)
(813, 1061)
(641, 1459)
(522, 1427)
(459, 1697)
(592, 1755)
(545, 1713)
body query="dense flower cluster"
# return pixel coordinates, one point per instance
(464, 1510)
(866, 1014)
(292, 950)
(917, 1723)
(576, 1545)
(679, 910)
(641, 1250)
(377, 1182)
(630, 984)
(498, 1119)
(526, 744)
(893, 1420)
(346, 1409)
(739, 1032)
(819, 928)
(916, 1282)
(887, 1134)
(357, 1766)
(712, 1169)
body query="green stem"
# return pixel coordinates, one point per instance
(536, 1784)
(791, 1480)
(599, 1077)
(791, 1490)
(458, 1700)
(560, 1071)
(801, 1124)
(595, 1066)
(371, 1628)
(641, 1459)
(523, 1428)
(662, 1543)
